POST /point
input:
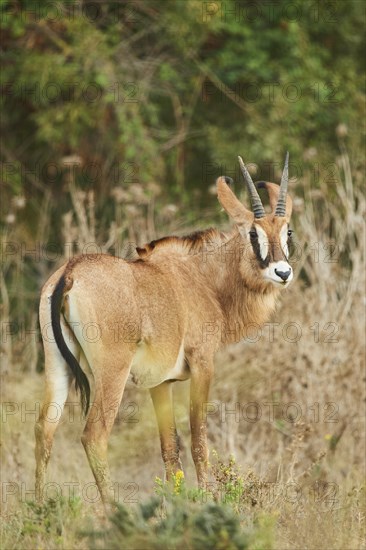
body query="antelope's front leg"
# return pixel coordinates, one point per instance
(163, 403)
(201, 374)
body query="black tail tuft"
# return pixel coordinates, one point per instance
(81, 381)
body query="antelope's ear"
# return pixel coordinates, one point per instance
(273, 191)
(231, 204)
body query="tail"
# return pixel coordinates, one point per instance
(81, 381)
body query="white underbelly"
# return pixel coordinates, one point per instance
(148, 370)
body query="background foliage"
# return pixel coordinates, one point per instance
(168, 87)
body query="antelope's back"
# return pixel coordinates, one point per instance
(118, 301)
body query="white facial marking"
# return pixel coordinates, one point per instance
(283, 239)
(279, 273)
(263, 242)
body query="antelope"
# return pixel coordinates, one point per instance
(183, 296)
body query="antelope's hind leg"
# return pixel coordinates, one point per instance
(58, 381)
(163, 403)
(110, 380)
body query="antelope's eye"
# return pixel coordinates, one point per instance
(253, 234)
(290, 232)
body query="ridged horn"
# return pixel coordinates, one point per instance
(281, 203)
(254, 197)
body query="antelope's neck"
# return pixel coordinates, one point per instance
(245, 304)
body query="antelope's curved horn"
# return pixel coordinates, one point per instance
(254, 197)
(281, 203)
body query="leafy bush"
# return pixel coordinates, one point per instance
(176, 523)
(178, 518)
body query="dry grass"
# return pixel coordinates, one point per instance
(290, 406)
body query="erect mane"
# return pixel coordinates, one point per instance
(188, 244)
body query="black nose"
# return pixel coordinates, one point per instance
(283, 274)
